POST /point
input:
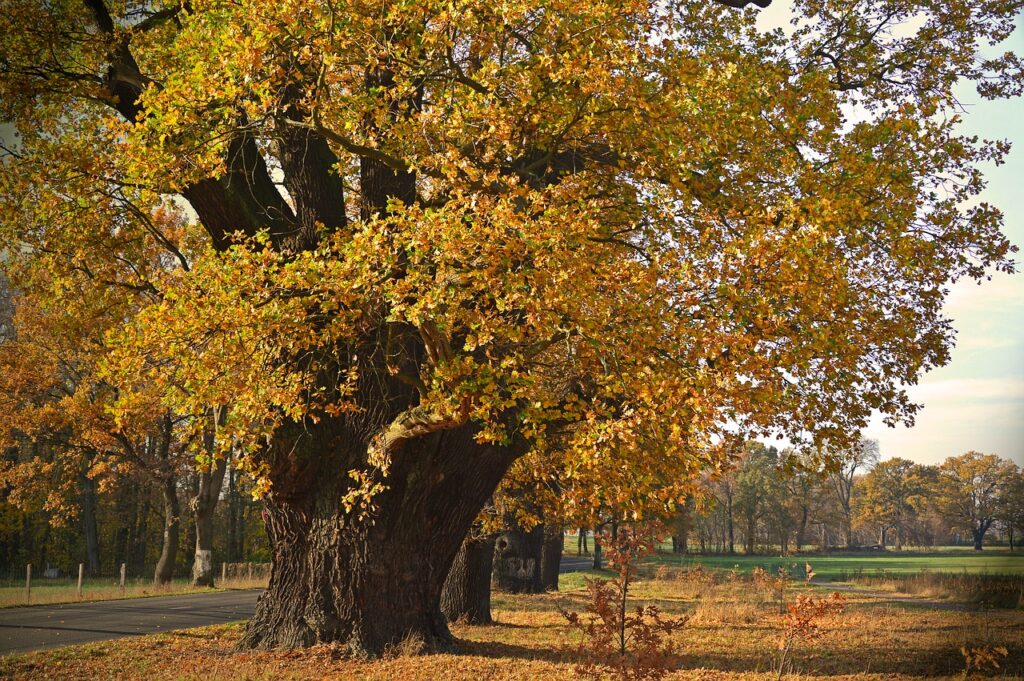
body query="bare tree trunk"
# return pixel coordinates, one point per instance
(209, 484)
(203, 506)
(517, 560)
(979, 533)
(89, 529)
(369, 582)
(551, 556)
(172, 509)
(466, 595)
(172, 528)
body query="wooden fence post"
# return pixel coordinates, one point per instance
(81, 568)
(28, 584)
(223, 573)
(250, 572)
(122, 577)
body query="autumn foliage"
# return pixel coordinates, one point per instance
(616, 640)
(428, 239)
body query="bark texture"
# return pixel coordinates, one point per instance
(551, 556)
(517, 561)
(164, 572)
(371, 582)
(466, 596)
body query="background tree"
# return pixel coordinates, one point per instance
(889, 496)
(968, 491)
(843, 474)
(1011, 503)
(756, 485)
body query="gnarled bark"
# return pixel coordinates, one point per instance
(370, 582)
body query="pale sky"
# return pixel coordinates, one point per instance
(977, 400)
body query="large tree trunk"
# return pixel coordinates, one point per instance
(466, 595)
(373, 580)
(551, 556)
(517, 561)
(164, 572)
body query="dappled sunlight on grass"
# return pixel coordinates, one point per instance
(731, 636)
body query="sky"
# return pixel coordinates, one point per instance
(976, 401)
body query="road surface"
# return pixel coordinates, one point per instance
(50, 626)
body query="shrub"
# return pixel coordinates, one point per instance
(978, 658)
(802, 623)
(628, 645)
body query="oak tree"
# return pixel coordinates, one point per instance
(430, 234)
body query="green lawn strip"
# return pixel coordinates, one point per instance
(833, 567)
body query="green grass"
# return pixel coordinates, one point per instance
(839, 566)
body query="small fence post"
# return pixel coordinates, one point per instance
(223, 573)
(28, 584)
(122, 577)
(81, 569)
(250, 572)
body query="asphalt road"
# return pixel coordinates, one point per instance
(51, 626)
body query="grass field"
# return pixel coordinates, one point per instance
(732, 635)
(837, 567)
(840, 566)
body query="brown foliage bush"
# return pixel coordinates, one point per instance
(629, 645)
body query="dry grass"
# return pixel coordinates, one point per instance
(731, 636)
(997, 591)
(49, 593)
